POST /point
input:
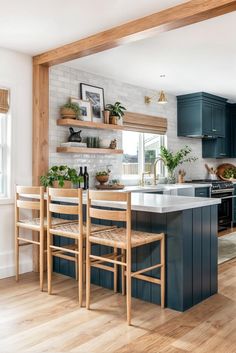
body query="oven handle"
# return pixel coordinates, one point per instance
(217, 192)
(226, 197)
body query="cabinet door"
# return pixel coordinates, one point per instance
(207, 119)
(202, 192)
(234, 205)
(218, 120)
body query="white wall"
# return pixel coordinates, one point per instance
(16, 73)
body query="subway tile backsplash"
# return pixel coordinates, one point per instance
(64, 83)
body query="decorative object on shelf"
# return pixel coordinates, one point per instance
(105, 143)
(93, 142)
(171, 160)
(117, 111)
(212, 172)
(113, 144)
(106, 116)
(70, 111)
(96, 96)
(58, 176)
(85, 108)
(103, 176)
(227, 172)
(181, 176)
(74, 144)
(74, 135)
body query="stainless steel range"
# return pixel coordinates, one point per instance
(225, 191)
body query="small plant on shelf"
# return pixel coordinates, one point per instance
(117, 111)
(103, 176)
(70, 110)
(60, 176)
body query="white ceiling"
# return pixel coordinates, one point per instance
(33, 26)
(200, 57)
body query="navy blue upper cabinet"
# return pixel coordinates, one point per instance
(233, 129)
(201, 115)
(219, 147)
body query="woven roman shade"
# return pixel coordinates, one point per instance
(4, 100)
(145, 123)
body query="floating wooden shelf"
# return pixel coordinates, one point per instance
(88, 124)
(86, 150)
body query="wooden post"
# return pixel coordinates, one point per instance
(40, 121)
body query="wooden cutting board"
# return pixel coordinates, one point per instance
(110, 187)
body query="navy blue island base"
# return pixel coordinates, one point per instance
(191, 257)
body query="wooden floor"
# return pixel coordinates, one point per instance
(226, 232)
(31, 321)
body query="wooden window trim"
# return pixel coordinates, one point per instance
(4, 100)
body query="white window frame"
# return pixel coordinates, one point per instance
(131, 179)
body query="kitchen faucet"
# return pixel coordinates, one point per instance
(155, 175)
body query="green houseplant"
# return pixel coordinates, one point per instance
(103, 176)
(70, 111)
(172, 160)
(116, 110)
(59, 176)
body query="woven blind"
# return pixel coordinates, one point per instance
(145, 123)
(4, 100)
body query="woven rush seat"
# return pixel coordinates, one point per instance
(36, 221)
(117, 238)
(73, 228)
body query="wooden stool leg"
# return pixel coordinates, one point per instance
(41, 258)
(80, 270)
(49, 265)
(162, 248)
(128, 285)
(76, 263)
(123, 272)
(17, 253)
(88, 274)
(115, 271)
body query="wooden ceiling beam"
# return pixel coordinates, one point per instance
(175, 17)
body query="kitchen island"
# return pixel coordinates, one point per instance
(190, 225)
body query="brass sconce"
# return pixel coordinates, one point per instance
(161, 99)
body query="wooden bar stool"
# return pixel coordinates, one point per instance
(121, 238)
(31, 198)
(73, 230)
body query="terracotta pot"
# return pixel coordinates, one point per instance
(106, 115)
(102, 179)
(67, 185)
(113, 120)
(68, 113)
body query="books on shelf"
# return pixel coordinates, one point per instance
(73, 144)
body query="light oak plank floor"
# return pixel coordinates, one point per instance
(31, 321)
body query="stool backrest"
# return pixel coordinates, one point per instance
(65, 195)
(30, 198)
(101, 213)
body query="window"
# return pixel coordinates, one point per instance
(140, 152)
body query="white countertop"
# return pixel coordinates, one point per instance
(148, 202)
(162, 203)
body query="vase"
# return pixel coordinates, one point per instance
(171, 177)
(67, 184)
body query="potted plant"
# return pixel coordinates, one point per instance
(172, 160)
(103, 176)
(70, 111)
(116, 112)
(60, 176)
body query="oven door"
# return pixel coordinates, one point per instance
(225, 209)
